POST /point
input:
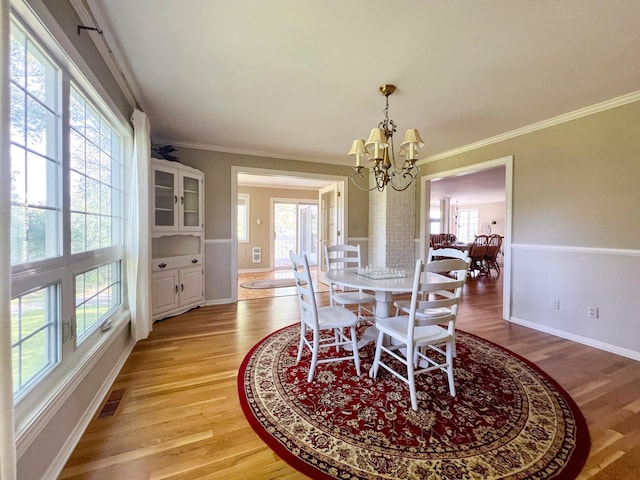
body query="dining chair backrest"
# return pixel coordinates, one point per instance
(436, 277)
(493, 246)
(304, 287)
(342, 256)
(442, 253)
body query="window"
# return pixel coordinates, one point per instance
(95, 190)
(434, 219)
(97, 294)
(467, 227)
(35, 151)
(34, 339)
(243, 217)
(66, 256)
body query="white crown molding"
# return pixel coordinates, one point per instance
(566, 117)
(253, 153)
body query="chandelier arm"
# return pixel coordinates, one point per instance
(411, 172)
(355, 182)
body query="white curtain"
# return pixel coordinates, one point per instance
(7, 424)
(138, 238)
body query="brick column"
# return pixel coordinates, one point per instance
(392, 225)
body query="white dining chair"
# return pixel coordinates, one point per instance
(427, 345)
(403, 306)
(333, 320)
(346, 256)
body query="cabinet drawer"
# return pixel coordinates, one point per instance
(170, 263)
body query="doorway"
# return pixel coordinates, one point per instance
(464, 179)
(295, 227)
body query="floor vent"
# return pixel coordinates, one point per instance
(256, 255)
(111, 405)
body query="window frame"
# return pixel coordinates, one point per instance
(75, 357)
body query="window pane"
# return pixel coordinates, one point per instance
(34, 336)
(243, 218)
(97, 294)
(95, 179)
(18, 116)
(18, 56)
(35, 177)
(42, 181)
(18, 176)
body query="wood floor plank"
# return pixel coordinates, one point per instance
(180, 417)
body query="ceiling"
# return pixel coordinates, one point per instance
(299, 79)
(484, 186)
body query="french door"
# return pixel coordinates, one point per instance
(295, 226)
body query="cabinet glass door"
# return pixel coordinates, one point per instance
(190, 201)
(165, 198)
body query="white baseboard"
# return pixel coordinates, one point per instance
(578, 338)
(218, 301)
(70, 444)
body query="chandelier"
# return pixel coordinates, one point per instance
(384, 169)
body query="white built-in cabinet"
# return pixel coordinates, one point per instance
(177, 238)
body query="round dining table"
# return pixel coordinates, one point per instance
(383, 289)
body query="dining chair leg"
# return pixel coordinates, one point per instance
(356, 354)
(314, 355)
(303, 332)
(449, 355)
(412, 380)
(376, 359)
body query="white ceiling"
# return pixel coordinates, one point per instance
(484, 186)
(299, 78)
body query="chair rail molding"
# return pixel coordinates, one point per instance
(576, 249)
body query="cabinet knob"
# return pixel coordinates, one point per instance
(195, 260)
(176, 288)
(162, 265)
(175, 199)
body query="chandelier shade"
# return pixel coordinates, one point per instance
(384, 170)
(359, 150)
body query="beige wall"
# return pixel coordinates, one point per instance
(575, 226)
(217, 168)
(260, 235)
(220, 274)
(573, 184)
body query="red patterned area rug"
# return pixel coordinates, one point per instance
(508, 420)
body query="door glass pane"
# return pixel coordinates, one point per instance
(308, 231)
(285, 215)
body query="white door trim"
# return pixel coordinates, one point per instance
(507, 162)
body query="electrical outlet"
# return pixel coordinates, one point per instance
(555, 304)
(593, 313)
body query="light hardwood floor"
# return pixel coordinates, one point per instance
(180, 417)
